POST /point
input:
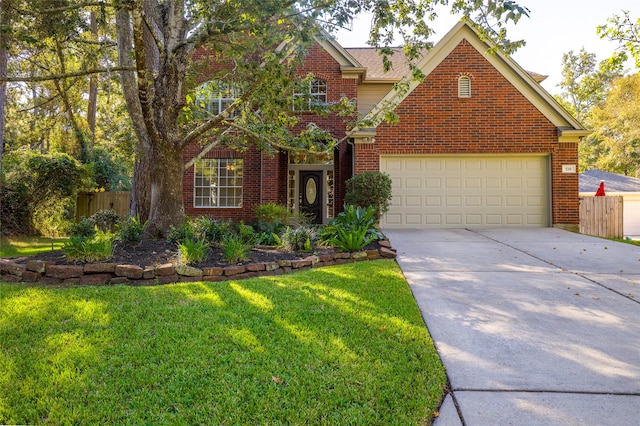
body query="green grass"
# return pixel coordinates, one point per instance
(343, 345)
(627, 241)
(28, 246)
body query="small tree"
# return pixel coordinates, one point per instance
(370, 189)
(38, 188)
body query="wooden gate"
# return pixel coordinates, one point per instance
(601, 216)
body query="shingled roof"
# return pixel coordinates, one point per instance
(613, 182)
(370, 59)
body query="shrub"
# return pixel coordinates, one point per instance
(246, 233)
(352, 229)
(38, 184)
(234, 249)
(271, 213)
(210, 230)
(269, 234)
(301, 238)
(178, 234)
(86, 228)
(350, 239)
(370, 189)
(105, 220)
(193, 251)
(90, 249)
(131, 230)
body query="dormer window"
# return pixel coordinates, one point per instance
(464, 86)
(315, 93)
(215, 96)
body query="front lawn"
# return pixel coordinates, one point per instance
(28, 246)
(337, 345)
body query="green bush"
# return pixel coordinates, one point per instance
(352, 230)
(370, 189)
(131, 230)
(86, 228)
(246, 233)
(193, 251)
(269, 234)
(178, 234)
(35, 187)
(90, 249)
(302, 238)
(234, 249)
(211, 230)
(272, 213)
(105, 220)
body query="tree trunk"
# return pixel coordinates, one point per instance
(140, 190)
(4, 40)
(93, 88)
(167, 208)
(4, 54)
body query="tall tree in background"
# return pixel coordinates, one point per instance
(585, 82)
(616, 125)
(626, 32)
(262, 41)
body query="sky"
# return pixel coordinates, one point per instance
(553, 28)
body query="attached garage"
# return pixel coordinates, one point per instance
(437, 191)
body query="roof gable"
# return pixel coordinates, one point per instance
(523, 81)
(349, 65)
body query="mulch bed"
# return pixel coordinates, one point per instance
(159, 252)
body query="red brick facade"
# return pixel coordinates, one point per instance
(496, 119)
(265, 177)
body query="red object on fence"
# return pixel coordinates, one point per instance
(600, 191)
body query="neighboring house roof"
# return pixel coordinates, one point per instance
(613, 182)
(569, 128)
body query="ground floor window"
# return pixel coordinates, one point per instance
(218, 183)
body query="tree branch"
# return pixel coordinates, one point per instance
(60, 76)
(73, 6)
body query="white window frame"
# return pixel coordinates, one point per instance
(316, 92)
(215, 96)
(217, 183)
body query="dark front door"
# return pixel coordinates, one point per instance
(311, 194)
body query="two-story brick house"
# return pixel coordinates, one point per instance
(478, 143)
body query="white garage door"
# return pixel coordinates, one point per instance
(467, 191)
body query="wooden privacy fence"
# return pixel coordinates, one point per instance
(90, 202)
(601, 216)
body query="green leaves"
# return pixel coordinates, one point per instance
(625, 31)
(352, 230)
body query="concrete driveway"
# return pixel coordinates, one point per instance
(534, 326)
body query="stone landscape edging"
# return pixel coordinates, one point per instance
(48, 273)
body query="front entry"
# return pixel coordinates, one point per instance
(310, 194)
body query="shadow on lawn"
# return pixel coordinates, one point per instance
(331, 345)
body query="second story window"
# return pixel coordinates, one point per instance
(314, 93)
(215, 96)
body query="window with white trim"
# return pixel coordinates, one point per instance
(464, 86)
(314, 93)
(218, 183)
(215, 96)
